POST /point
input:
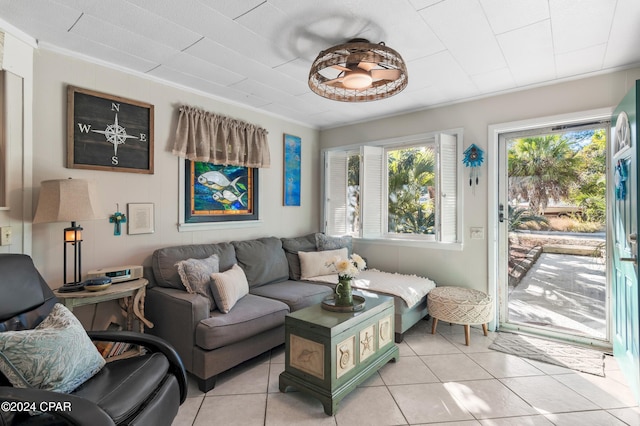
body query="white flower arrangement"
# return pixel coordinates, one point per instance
(348, 268)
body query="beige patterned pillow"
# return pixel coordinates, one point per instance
(228, 287)
(196, 276)
(316, 263)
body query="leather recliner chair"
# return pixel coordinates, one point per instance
(142, 390)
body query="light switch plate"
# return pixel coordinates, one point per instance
(5, 235)
(477, 233)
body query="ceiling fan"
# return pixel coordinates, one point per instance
(366, 72)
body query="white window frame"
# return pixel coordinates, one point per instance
(399, 143)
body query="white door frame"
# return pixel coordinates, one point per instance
(493, 168)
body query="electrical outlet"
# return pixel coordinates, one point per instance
(5, 235)
(477, 233)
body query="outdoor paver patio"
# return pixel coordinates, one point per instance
(563, 291)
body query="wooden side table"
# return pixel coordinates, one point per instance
(129, 294)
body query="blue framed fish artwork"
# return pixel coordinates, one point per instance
(292, 180)
(219, 193)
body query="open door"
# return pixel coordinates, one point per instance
(624, 230)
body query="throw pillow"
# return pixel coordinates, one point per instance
(57, 355)
(196, 276)
(326, 242)
(228, 287)
(316, 263)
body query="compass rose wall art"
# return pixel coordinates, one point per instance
(107, 132)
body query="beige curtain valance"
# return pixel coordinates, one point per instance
(213, 138)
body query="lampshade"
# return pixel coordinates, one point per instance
(358, 71)
(66, 200)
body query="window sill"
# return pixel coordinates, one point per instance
(406, 242)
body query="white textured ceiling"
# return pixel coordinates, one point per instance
(258, 53)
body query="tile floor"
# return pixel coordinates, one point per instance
(437, 381)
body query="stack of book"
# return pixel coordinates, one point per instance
(111, 349)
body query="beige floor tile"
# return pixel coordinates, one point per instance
(477, 343)
(547, 395)
(369, 406)
(603, 391)
(547, 368)
(405, 350)
(232, 410)
(192, 387)
(502, 365)
(374, 380)
(455, 367)
(245, 379)
(517, 421)
(460, 423)
(410, 369)
(428, 403)
(489, 399)
(296, 408)
(188, 411)
(630, 416)
(585, 418)
(430, 344)
(274, 377)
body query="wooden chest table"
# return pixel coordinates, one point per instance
(328, 354)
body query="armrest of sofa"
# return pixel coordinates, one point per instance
(175, 315)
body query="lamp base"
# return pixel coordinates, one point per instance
(68, 288)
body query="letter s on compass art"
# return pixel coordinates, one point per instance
(107, 132)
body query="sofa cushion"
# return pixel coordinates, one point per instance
(228, 287)
(262, 260)
(291, 248)
(196, 276)
(315, 264)
(57, 355)
(164, 260)
(327, 242)
(251, 315)
(296, 294)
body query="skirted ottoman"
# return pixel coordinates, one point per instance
(459, 305)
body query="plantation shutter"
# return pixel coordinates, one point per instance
(335, 190)
(447, 188)
(373, 192)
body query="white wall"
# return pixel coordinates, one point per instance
(469, 267)
(53, 72)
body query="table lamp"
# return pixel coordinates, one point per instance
(69, 200)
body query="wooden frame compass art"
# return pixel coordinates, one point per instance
(107, 132)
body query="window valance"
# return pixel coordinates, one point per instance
(213, 138)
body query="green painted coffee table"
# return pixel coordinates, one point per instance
(328, 354)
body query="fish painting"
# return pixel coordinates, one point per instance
(228, 197)
(219, 192)
(216, 180)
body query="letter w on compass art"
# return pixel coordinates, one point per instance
(107, 132)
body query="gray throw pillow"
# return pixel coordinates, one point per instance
(57, 355)
(291, 248)
(196, 276)
(326, 242)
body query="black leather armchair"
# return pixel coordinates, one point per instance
(143, 390)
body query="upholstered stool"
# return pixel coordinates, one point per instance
(460, 306)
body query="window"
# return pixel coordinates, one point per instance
(397, 189)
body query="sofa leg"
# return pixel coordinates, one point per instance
(399, 337)
(205, 385)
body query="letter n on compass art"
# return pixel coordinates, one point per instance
(107, 132)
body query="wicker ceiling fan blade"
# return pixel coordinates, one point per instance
(385, 74)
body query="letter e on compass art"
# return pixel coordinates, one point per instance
(107, 132)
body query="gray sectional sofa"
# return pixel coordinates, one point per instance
(210, 341)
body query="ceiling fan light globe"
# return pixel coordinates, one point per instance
(357, 81)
